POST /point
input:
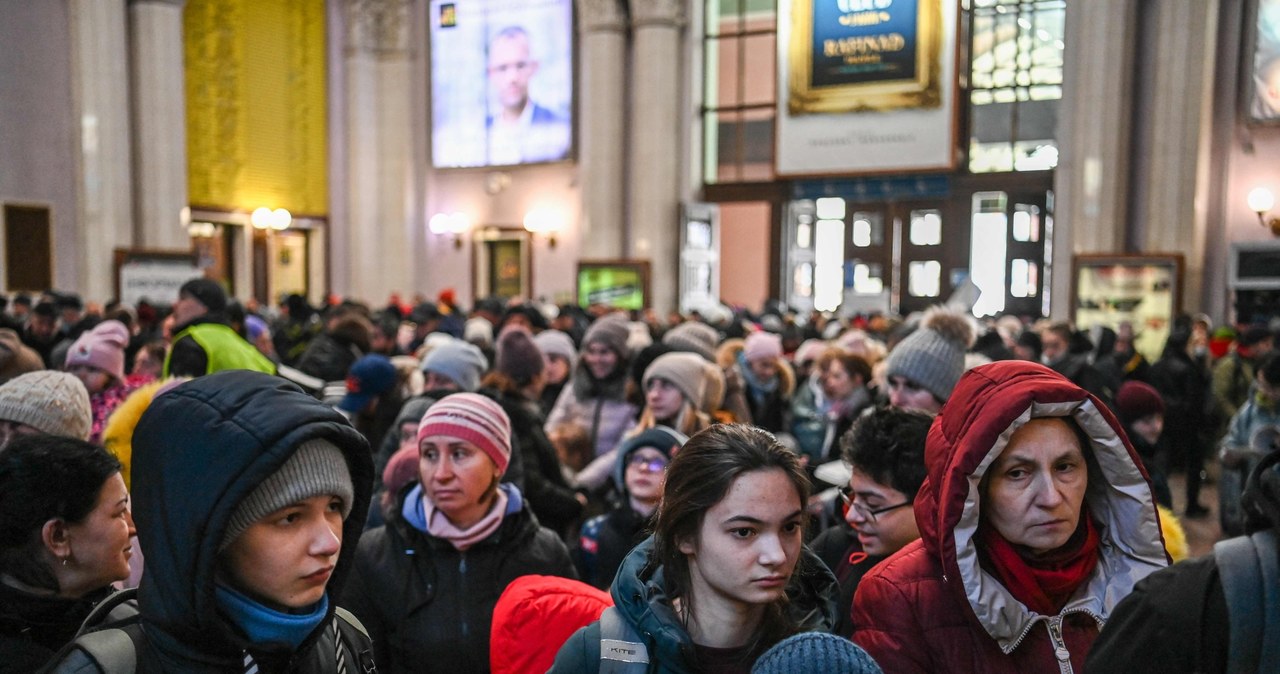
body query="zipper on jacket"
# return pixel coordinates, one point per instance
(462, 583)
(1059, 645)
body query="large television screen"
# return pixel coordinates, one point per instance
(501, 82)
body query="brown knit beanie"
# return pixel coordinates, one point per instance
(693, 336)
(685, 371)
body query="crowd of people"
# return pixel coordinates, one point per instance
(211, 486)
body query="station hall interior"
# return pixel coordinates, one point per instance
(1053, 158)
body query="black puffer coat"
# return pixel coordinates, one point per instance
(428, 606)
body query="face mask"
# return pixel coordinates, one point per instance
(1045, 360)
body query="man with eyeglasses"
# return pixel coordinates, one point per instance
(885, 450)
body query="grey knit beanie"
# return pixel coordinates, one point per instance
(612, 331)
(933, 355)
(556, 343)
(317, 468)
(459, 361)
(699, 338)
(54, 403)
(815, 653)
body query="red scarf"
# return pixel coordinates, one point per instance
(1044, 583)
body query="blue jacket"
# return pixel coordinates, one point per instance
(640, 597)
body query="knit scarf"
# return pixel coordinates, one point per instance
(1045, 583)
(263, 625)
(759, 390)
(423, 515)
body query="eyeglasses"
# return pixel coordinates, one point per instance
(647, 464)
(867, 513)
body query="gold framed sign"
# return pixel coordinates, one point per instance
(864, 55)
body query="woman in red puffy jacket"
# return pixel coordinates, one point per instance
(1036, 519)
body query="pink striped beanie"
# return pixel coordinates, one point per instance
(472, 418)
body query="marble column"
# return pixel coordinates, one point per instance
(372, 238)
(655, 150)
(104, 182)
(1091, 182)
(602, 31)
(1171, 208)
(159, 124)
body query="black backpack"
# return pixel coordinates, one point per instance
(1249, 569)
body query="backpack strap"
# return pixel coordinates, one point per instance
(114, 650)
(1250, 573)
(358, 642)
(621, 651)
(119, 607)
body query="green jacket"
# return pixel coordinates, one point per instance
(223, 350)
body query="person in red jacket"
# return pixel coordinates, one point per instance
(1036, 519)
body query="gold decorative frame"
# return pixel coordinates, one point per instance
(923, 91)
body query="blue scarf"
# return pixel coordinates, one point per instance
(265, 625)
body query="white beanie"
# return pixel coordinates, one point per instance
(55, 403)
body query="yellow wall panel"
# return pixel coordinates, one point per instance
(256, 122)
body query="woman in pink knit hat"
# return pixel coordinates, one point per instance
(97, 360)
(425, 585)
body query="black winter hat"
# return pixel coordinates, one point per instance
(207, 292)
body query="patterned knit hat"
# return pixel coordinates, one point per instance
(518, 356)
(685, 371)
(693, 336)
(51, 402)
(612, 331)
(814, 653)
(473, 418)
(317, 468)
(461, 362)
(102, 348)
(933, 355)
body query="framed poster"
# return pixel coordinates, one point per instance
(1264, 92)
(501, 82)
(621, 284)
(1143, 290)
(153, 275)
(864, 55)
(866, 86)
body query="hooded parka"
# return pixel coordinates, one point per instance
(640, 596)
(198, 452)
(931, 607)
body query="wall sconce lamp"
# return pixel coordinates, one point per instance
(1262, 200)
(265, 218)
(544, 221)
(450, 224)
